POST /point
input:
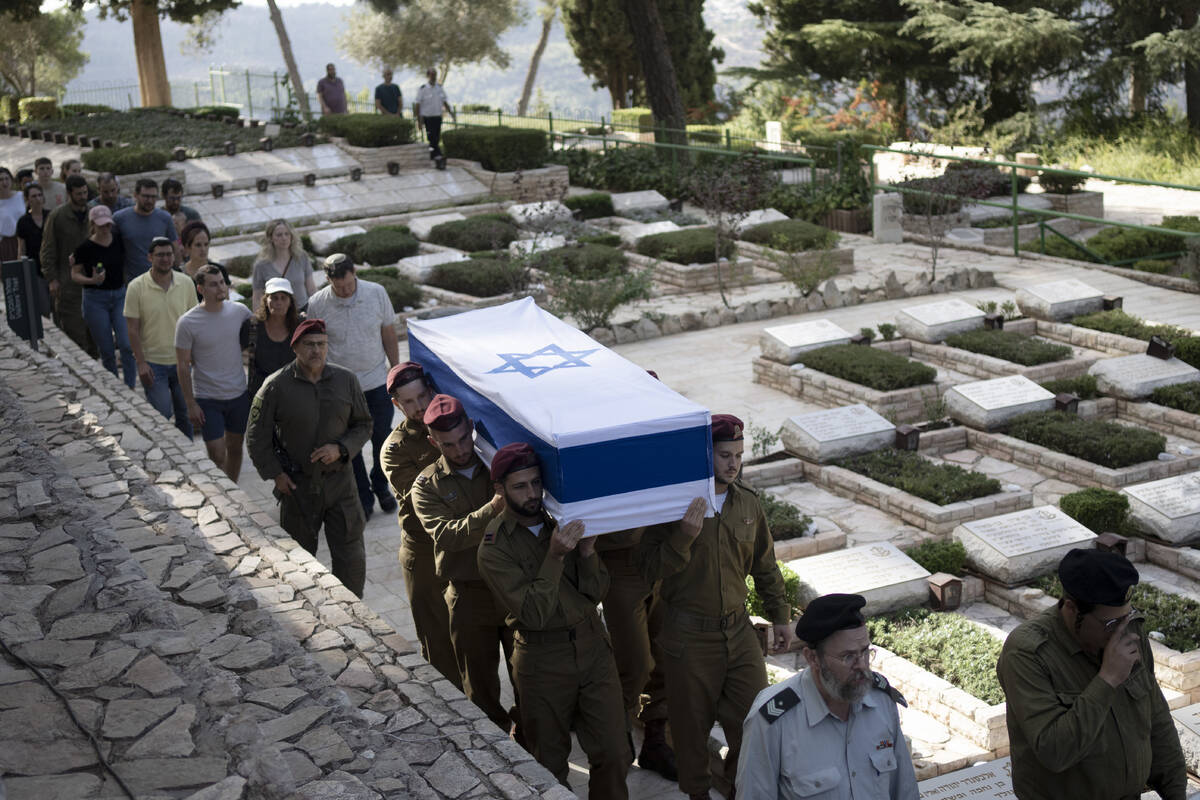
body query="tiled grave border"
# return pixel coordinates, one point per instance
(898, 405)
(778, 473)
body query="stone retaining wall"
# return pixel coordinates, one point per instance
(841, 257)
(700, 277)
(524, 186)
(1163, 419)
(900, 405)
(1111, 343)
(984, 367)
(410, 157)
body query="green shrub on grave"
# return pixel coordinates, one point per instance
(791, 590)
(32, 109)
(1098, 510)
(784, 520)
(480, 277)
(82, 109)
(1061, 184)
(125, 160)
(870, 366)
(609, 239)
(582, 261)
(1176, 617)
(693, 246)
(1058, 248)
(9, 108)
(499, 149)
(482, 232)
(241, 266)
(1084, 387)
(1156, 266)
(1010, 346)
(591, 205)
(913, 473)
(386, 244)
(1181, 396)
(946, 556)
(1187, 346)
(948, 645)
(368, 130)
(222, 112)
(791, 235)
(641, 119)
(401, 289)
(1108, 444)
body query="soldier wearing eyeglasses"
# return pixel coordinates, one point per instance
(1086, 718)
(831, 732)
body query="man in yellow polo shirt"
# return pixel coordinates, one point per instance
(154, 302)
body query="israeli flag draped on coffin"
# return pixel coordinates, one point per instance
(618, 448)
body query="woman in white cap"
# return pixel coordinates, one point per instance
(270, 333)
(99, 266)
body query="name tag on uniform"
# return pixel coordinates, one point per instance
(884, 744)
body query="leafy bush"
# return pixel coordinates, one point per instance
(8, 108)
(705, 134)
(1183, 396)
(913, 473)
(784, 519)
(791, 235)
(869, 366)
(1056, 247)
(368, 130)
(125, 160)
(918, 204)
(624, 169)
(1015, 347)
(30, 109)
(592, 300)
(480, 277)
(241, 266)
(1106, 443)
(383, 245)
(609, 239)
(1119, 322)
(695, 246)
(949, 646)
(887, 330)
(482, 232)
(156, 129)
(822, 146)
(500, 149)
(224, 112)
(475, 108)
(1157, 266)
(1004, 221)
(948, 556)
(401, 289)
(791, 590)
(591, 205)
(1061, 184)
(78, 109)
(1176, 617)
(641, 119)
(587, 261)
(979, 181)
(1084, 387)
(1098, 510)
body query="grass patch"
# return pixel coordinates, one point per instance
(1105, 443)
(947, 645)
(784, 519)
(1084, 387)
(917, 475)
(591, 205)
(1015, 347)
(791, 235)
(948, 556)
(869, 366)
(697, 246)
(158, 130)
(610, 239)
(1181, 396)
(480, 277)
(482, 232)
(791, 590)
(1176, 618)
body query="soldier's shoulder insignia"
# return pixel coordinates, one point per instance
(422, 479)
(779, 704)
(749, 489)
(493, 528)
(881, 683)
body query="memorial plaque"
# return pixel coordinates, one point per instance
(1136, 377)
(1187, 725)
(421, 226)
(631, 233)
(760, 216)
(1170, 508)
(1058, 301)
(881, 573)
(980, 782)
(785, 343)
(648, 201)
(987, 405)
(887, 209)
(1018, 547)
(933, 322)
(523, 247)
(541, 213)
(420, 266)
(824, 436)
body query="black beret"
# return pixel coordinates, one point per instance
(726, 428)
(1099, 577)
(511, 458)
(829, 614)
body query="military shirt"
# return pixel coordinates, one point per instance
(1073, 735)
(619, 540)
(793, 746)
(307, 415)
(539, 592)
(454, 510)
(405, 453)
(706, 576)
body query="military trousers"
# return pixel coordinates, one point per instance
(634, 617)
(712, 676)
(331, 503)
(68, 316)
(479, 635)
(568, 681)
(427, 601)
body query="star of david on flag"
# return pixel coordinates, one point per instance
(531, 365)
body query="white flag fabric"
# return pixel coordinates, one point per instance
(618, 448)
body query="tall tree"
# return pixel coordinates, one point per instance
(40, 53)
(662, 87)
(285, 45)
(548, 11)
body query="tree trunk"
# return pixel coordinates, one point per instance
(662, 87)
(285, 44)
(147, 45)
(1137, 91)
(534, 60)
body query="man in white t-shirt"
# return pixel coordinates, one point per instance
(431, 99)
(360, 324)
(208, 350)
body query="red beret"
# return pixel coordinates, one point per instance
(444, 413)
(403, 373)
(307, 327)
(513, 457)
(726, 428)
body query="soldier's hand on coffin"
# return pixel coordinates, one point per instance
(587, 546)
(565, 538)
(693, 518)
(498, 501)
(326, 454)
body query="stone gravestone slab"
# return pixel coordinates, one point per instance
(986, 405)
(631, 233)
(884, 576)
(830, 434)
(221, 253)
(421, 226)
(1059, 300)
(420, 266)
(785, 343)
(543, 212)
(1018, 547)
(631, 202)
(759, 216)
(986, 781)
(523, 247)
(1187, 725)
(323, 240)
(885, 218)
(933, 322)
(1136, 377)
(1170, 507)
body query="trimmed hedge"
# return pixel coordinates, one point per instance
(1187, 347)
(791, 235)
(1098, 510)
(1061, 184)
(640, 118)
(223, 112)
(8, 107)
(386, 244)
(870, 366)
(784, 520)
(791, 590)
(1182, 396)
(913, 473)
(591, 205)
(582, 261)
(1015, 347)
(482, 232)
(30, 109)
(368, 130)
(78, 109)
(695, 246)
(1084, 387)
(126, 160)
(499, 149)
(479, 277)
(401, 289)
(946, 556)
(1105, 443)
(610, 239)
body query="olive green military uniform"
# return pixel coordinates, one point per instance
(711, 656)
(406, 452)
(562, 663)
(63, 231)
(1073, 736)
(454, 510)
(305, 416)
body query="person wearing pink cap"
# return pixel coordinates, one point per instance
(98, 265)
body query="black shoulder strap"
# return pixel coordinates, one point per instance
(779, 704)
(881, 683)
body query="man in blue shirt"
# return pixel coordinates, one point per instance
(388, 97)
(140, 225)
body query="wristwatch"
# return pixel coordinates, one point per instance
(345, 453)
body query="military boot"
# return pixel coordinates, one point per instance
(656, 754)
